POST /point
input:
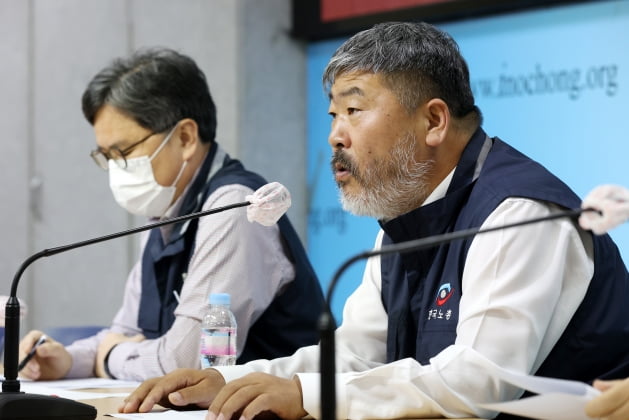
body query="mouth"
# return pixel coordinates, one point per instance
(341, 172)
(342, 167)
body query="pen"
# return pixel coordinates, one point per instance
(31, 353)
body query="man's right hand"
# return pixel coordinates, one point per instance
(179, 388)
(51, 360)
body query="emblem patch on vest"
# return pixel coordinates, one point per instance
(444, 294)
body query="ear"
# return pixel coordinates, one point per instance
(189, 139)
(437, 117)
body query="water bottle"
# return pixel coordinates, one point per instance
(218, 333)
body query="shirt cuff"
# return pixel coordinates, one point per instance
(311, 395)
(117, 358)
(106, 363)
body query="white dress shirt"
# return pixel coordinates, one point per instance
(231, 255)
(521, 287)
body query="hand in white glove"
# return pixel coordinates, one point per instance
(612, 201)
(268, 204)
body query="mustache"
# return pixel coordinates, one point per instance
(340, 158)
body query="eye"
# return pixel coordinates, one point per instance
(332, 114)
(350, 111)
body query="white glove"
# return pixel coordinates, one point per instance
(612, 201)
(268, 204)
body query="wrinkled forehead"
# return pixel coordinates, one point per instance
(333, 73)
(354, 83)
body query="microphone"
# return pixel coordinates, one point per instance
(265, 206)
(327, 364)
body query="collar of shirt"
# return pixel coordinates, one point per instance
(173, 210)
(441, 189)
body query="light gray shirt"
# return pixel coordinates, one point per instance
(231, 255)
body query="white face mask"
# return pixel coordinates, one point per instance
(135, 187)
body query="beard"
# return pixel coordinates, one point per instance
(389, 187)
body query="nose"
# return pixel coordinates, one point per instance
(338, 137)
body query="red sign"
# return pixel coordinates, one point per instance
(332, 10)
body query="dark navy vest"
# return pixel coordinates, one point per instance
(286, 325)
(421, 290)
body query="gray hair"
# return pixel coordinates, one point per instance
(156, 87)
(417, 62)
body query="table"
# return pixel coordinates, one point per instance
(110, 405)
(106, 405)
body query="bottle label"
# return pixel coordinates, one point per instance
(218, 347)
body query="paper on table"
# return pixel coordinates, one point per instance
(37, 388)
(89, 383)
(551, 406)
(168, 414)
(558, 399)
(71, 388)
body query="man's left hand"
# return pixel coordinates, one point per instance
(257, 394)
(613, 403)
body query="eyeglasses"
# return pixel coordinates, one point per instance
(102, 158)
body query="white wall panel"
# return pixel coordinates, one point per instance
(50, 50)
(71, 41)
(14, 139)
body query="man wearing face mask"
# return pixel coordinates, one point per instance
(155, 123)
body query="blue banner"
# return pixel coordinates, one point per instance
(552, 82)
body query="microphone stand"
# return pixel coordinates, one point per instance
(327, 364)
(18, 405)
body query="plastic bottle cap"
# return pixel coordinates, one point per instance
(220, 299)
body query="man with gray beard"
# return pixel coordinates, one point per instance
(423, 330)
